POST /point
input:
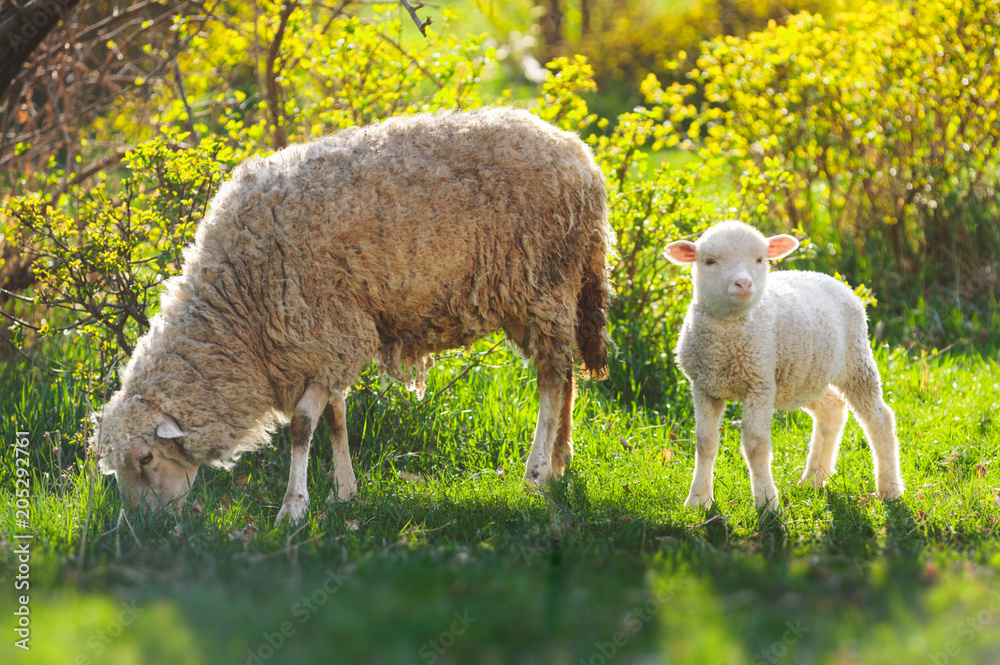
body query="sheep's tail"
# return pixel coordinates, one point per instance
(592, 313)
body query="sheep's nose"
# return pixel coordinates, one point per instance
(741, 288)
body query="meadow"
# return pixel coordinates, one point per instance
(445, 556)
(887, 171)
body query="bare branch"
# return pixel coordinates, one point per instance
(271, 77)
(421, 25)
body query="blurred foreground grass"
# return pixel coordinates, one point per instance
(444, 558)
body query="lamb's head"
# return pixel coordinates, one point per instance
(144, 448)
(730, 266)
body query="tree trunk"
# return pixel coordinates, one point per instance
(585, 17)
(23, 26)
(551, 24)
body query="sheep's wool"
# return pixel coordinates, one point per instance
(387, 242)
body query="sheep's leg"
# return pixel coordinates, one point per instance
(863, 391)
(707, 418)
(829, 415)
(551, 396)
(307, 412)
(758, 412)
(335, 414)
(562, 449)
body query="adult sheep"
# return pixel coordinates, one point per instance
(785, 341)
(393, 242)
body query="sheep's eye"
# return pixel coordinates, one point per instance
(146, 459)
(709, 262)
(760, 260)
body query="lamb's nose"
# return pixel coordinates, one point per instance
(744, 285)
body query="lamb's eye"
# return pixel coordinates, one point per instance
(146, 459)
(760, 260)
(709, 262)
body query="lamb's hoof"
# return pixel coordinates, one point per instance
(294, 509)
(697, 502)
(767, 502)
(891, 490)
(815, 479)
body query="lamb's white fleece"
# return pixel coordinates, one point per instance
(787, 340)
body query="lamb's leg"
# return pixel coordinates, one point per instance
(758, 412)
(829, 415)
(863, 391)
(707, 418)
(335, 414)
(551, 395)
(562, 449)
(307, 411)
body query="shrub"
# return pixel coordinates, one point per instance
(649, 207)
(887, 119)
(100, 257)
(629, 39)
(101, 252)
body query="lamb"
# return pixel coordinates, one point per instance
(790, 340)
(388, 242)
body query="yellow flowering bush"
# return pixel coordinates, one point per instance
(264, 75)
(886, 120)
(100, 251)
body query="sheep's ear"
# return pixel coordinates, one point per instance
(778, 247)
(169, 429)
(681, 252)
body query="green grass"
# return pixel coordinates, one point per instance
(465, 566)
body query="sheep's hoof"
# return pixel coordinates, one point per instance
(294, 509)
(536, 476)
(533, 490)
(342, 493)
(697, 502)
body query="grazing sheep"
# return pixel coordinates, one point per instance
(393, 242)
(785, 341)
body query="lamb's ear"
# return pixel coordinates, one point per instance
(169, 429)
(680, 252)
(778, 247)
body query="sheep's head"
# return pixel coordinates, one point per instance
(144, 448)
(730, 266)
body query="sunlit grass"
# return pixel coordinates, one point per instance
(608, 562)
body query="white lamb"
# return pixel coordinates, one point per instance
(792, 340)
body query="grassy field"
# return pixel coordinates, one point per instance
(443, 557)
